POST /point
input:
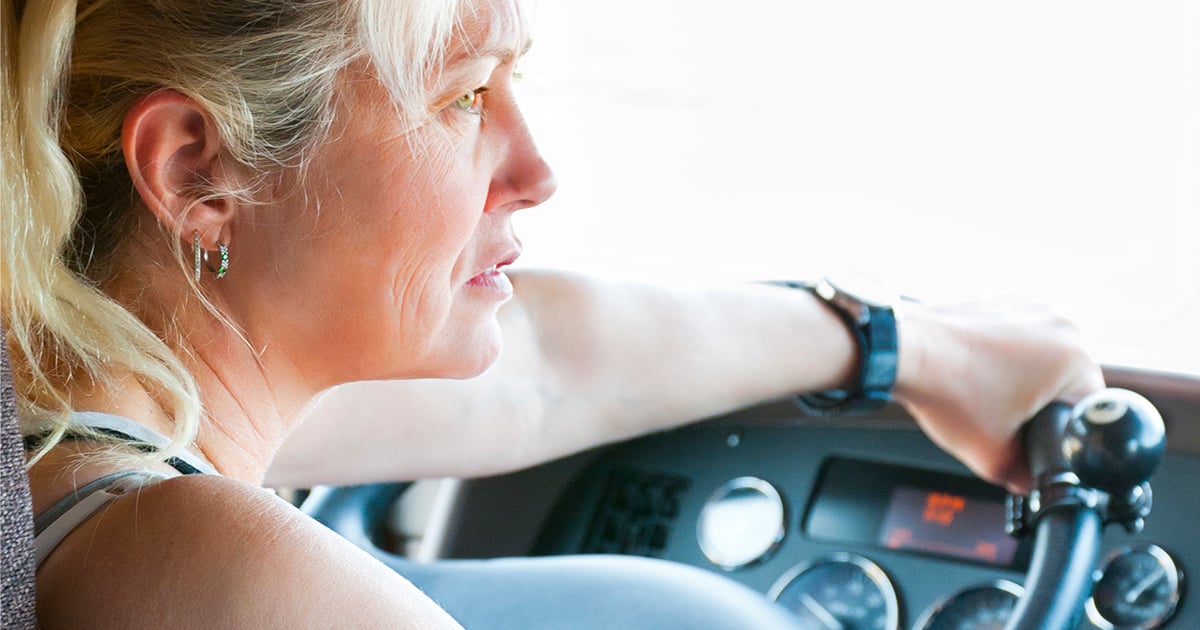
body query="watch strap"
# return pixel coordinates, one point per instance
(878, 360)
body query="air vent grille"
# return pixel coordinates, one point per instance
(636, 513)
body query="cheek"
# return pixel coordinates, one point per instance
(424, 249)
(404, 246)
(439, 212)
(426, 242)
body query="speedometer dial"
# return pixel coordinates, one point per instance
(840, 592)
(985, 607)
(1138, 589)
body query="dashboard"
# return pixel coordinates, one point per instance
(849, 522)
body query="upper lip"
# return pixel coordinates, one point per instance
(505, 259)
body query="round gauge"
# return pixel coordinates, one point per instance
(984, 607)
(1138, 588)
(839, 592)
(742, 523)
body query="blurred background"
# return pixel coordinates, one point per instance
(953, 150)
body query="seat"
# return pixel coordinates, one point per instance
(16, 512)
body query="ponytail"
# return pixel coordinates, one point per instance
(60, 327)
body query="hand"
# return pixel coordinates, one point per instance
(973, 374)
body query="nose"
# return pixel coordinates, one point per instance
(524, 178)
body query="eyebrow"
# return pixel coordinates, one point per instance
(504, 54)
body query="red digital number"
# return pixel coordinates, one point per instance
(941, 508)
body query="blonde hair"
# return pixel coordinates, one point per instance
(264, 71)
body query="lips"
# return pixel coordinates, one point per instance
(492, 276)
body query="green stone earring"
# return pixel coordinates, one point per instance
(222, 265)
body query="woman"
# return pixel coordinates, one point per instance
(278, 198)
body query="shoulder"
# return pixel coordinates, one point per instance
(208, 551)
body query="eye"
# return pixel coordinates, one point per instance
(472, 101)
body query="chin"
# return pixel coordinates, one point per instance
(473, 357)
(482, 360)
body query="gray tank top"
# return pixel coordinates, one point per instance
(51, 526)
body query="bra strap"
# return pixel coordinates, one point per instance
(143, 437)
(55, 523)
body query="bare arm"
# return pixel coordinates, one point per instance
(585, 361)
(588, 361)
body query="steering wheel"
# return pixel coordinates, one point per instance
(1091, 466)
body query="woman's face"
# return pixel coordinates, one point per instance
(386, 263)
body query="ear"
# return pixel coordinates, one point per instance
(173, 154)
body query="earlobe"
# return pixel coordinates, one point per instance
(173, 154)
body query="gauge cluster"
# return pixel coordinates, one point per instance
(850, 523)
(858, 527)
(1137, 587)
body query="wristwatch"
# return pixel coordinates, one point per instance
(871, 318)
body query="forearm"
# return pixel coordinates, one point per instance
(624, 359)
(585, 362)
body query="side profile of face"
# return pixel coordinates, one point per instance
(386, 262)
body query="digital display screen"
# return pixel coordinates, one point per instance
(914, 510)
(948, 524)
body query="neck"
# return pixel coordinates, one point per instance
(252, 401)
(237, 438)
(252, 397)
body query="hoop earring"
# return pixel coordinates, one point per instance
(196, 254)
(222, 265)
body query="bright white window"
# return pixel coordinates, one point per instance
(952, 149)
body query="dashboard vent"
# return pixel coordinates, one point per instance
(635, 513)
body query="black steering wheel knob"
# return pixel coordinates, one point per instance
(1114, 440)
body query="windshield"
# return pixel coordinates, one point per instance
(952, 150)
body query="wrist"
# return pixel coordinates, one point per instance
(910, 346)
(869, 315)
